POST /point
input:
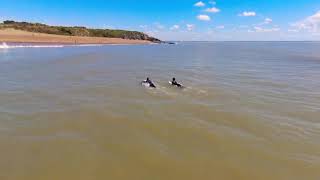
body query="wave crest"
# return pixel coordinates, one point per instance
(13, 46)
(6, 46)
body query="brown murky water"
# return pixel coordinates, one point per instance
(250, 110)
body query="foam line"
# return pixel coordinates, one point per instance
(11, 46)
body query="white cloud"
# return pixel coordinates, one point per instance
(248, 13)
(302, 26)
(267, 20)
(202, 17)
(200, 4)
(310, 24)
(151, 33)
(260, 29)
(212, 10)
(159, 26)
(175, 27)
(143, 26)
(190, 27)
(220, 27)
(293, 30)
(243, 26)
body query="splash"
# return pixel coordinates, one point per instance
(4, 46)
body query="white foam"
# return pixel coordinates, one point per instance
(145, 84)
(13, 46)
(6, 46)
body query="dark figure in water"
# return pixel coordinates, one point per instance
(149, 82)
(174, 83)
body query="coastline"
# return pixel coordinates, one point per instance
(18, 36)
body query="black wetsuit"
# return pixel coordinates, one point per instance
(174, 83)
(150, 83)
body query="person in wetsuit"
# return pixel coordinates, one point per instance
(150, 83)
(175, 83)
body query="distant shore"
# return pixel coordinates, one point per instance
(18, 36)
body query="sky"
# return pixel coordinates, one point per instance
(181, 20)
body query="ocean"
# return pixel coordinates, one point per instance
(249, 110)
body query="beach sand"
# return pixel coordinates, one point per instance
(18, 36)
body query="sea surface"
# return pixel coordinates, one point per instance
(250, 110)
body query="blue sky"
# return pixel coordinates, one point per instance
(179, 19)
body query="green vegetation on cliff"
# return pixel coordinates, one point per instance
(77, 31)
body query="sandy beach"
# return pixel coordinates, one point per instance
(18, 36)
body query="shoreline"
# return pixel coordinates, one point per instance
(18, 36)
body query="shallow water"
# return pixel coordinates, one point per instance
(250, 110)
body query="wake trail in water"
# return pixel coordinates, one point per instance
(169, 91)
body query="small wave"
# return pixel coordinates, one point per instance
(196, 91)
(169, 91)
(13, 46)
(6, 46)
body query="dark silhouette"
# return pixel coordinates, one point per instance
(175, 83)
(149, 82)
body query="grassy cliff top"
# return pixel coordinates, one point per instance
(77, 31)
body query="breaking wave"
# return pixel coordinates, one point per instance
(13, 46)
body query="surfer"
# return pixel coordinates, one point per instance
(149, 83)
(175, 83)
